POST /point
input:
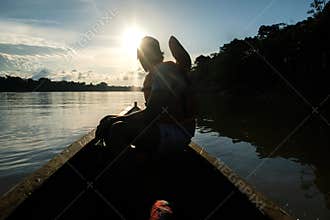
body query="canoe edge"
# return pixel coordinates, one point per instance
(22, 190)
(262, 203)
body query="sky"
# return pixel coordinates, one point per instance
(95, 40)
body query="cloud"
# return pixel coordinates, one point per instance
(33, 21)
(22, 58)
(43, 73)
(138, 74)
(22, 33)
(141, 74)
(77, 76)
(17, 63)
(22, 49)
(25, 49)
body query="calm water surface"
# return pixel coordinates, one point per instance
(36, 126)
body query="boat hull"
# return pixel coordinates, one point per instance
(89, 182)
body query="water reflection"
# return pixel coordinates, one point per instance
(36, 126)
(297, 173)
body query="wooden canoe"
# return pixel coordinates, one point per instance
(88, 182)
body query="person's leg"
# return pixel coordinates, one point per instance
(117, 136)
(104, 126)
(123, 134)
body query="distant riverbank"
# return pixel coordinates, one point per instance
(17, 84)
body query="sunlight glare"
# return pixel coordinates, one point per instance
(131, 40)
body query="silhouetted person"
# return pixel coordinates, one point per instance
(167, 123)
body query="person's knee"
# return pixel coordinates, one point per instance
(115, 133)
(118, 128)
(104, 126)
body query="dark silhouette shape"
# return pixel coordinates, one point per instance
(17, 84)
(300, 53)
(167, 123)
(316, 7)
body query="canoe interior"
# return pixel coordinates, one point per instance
(130, 184)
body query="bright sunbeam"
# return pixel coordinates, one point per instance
(131, 40)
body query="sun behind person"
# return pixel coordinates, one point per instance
(131, 39)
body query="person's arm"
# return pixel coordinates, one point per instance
(156, 102)
(132, 116)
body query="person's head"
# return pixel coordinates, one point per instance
(149, 53)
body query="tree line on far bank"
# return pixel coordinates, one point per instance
(17, 84)
(280, 56)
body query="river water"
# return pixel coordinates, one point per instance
(34, 127)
